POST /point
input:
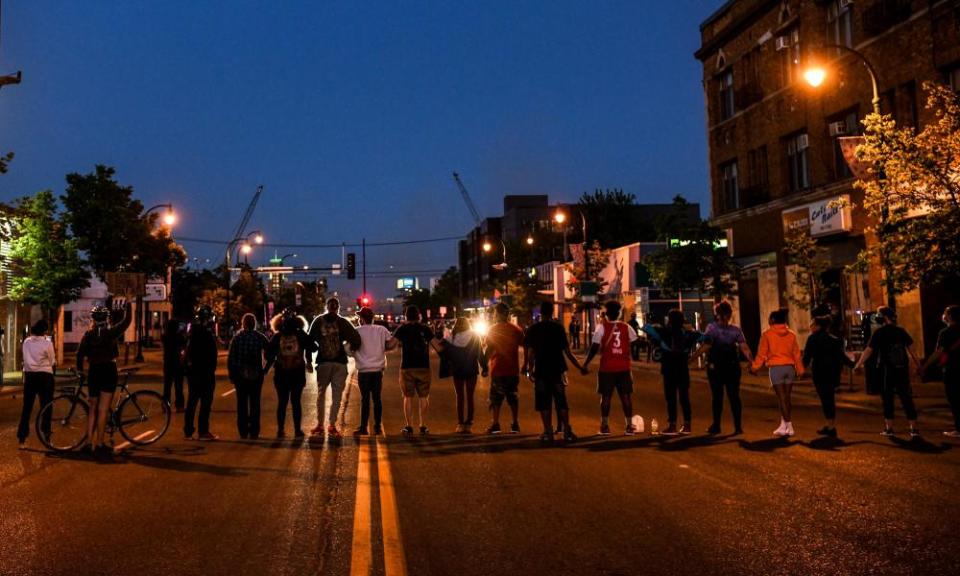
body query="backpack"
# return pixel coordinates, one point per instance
(329, 341)
(291, 355)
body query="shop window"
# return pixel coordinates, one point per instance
(726, 94)
(840, 23)
(798, 164)
(729, 188)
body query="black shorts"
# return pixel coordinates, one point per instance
(550, 389)
(102, 378)
(504, 387)
(607, 382)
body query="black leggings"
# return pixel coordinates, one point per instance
(726, 377)
(465, 387)
(202, 386)
(827, 391)
(35, 384)
(674, 385)
(896, 382)
(288, 392)
(370, 383)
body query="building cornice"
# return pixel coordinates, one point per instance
(779, 204)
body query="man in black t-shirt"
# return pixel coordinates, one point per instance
(545, 346)
(415, 341)
(893, 348)
(947, 355)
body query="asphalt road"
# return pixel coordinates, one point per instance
(453, 504)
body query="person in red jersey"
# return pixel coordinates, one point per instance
(612, 340)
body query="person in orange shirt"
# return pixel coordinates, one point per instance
(780, 352)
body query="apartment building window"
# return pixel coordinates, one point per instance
(729, 189)
(840, 23)
(726, 94)
(952, 77)
(788, 46)
(798, 164)
(758, 178)
(845, 124)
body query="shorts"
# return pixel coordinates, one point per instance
(504, 387)
(102, 378)
(607, 382)
(550, 390)
(415, 382)
(781, 375)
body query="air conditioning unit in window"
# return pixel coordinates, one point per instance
(803, 142)
(782, 43)
(838, 128)
(844, 3)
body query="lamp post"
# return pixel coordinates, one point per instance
(488, 247)
(169, 219)
(244, 242)
(560, 217)
(815, 76)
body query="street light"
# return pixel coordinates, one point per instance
(815, 76)
(530, 240)
(169, 218)
(142, 307)
(488, 247)
(245, 247)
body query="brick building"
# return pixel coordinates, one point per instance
(775, 161)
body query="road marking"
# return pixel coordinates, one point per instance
(361, 558)
(395, 563)
(123, 445)
(228, 392)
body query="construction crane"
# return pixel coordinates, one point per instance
(466, 198)
(238, 233)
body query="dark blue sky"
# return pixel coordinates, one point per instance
(354, 114)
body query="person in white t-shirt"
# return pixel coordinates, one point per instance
(371, 359)
(38, 361)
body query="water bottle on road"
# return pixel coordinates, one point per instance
(637, 422)
(654, 429)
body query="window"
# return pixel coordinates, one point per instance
(845, 124)
(729, 190)
(758, 177)
(953, 78)
(840, 23)
(68, 320)
(788, 45)
(909, 92)
(750, 91)
(798, 166)
(726, 94)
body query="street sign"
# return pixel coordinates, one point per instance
(129, 284)
(335, 269)
(155, 293)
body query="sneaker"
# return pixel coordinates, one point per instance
(887, 432)
(255, 436)
(494, 428)
(298, 434)
(559, 429)
(467, 429)
(407, 430)
(281, 434)
(604, 430)
(515, 428)
(629, 430)
(670, 430)
(713, 429)
(187, 435)
(459, 429)
(377, 430)
(569, 436)
(737, 431)
(546, 438)
(951, 433)
(684, 430)
(827, 431)
(207, 437)
(333, 432)
(22, 445)
(361, 431)
(316, 430)
(914, 432)
(424, 430)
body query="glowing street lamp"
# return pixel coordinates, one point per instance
(815, 75)
(529, 240)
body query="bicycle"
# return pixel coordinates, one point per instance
(142, 417)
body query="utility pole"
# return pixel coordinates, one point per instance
(363, 254)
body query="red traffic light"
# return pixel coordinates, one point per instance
(363, 301)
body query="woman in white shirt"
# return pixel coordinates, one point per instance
(38, 360)
(371, 359)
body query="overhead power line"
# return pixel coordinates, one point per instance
(346, 244)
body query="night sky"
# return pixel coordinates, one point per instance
(354, 114)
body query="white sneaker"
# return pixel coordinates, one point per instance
(789, 429)
(952, 434)
(781, 430)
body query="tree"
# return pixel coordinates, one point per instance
(610, 217)
(5, 161)
(809, 261)
(109, 227)
(912, 195)
(447, 290)
(46, 265)
(419, 297)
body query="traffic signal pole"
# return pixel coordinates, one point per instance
(363, 255)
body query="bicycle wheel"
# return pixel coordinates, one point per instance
(143, 417)
(68, 423)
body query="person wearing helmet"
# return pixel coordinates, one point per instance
(99, 348)
(200, 362)
(289, 352)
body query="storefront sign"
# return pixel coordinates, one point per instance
(823, 218)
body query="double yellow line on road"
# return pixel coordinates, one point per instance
(361, 558)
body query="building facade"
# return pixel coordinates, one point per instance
(775, 158)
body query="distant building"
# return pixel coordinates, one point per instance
(775, 161)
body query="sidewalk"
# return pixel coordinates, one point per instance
(928, 396)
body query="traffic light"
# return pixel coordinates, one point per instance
(363, 301)
(351, 266)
